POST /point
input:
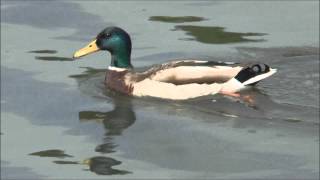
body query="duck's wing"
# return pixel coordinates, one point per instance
(194, 71)
(193, 62)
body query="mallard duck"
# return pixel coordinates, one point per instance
(177, 80)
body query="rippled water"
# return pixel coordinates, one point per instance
(59, 121)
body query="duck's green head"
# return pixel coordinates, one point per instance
(112, 39)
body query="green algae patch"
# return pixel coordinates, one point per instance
(216, 35)
(53, 58)
(176, 19)
(44, 51)
(293, 120)
(51, 153)
(65, 162)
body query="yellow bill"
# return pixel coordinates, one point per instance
(90, 48)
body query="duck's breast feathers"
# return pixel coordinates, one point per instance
(119, 81)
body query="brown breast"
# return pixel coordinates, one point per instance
(119, 81)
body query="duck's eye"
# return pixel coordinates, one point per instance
(108, 35)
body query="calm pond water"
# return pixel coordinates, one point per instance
(58, 120)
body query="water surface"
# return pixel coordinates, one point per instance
(59, 121)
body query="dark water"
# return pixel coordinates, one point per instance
(59, 121)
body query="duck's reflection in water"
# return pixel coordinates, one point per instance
(103, 166)
(114, 122)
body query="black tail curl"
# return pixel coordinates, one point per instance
(252, 71)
